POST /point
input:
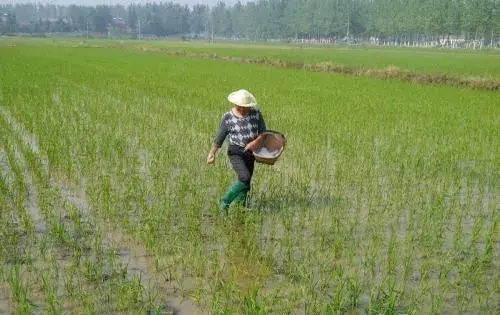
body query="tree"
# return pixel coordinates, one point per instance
(132, 17)
(61, 26)
(198, 19)
(395, 20)
(154, 25)
(102, 18)
(78, 17)
(11, 23)
(238, 20)
(221, 21)
(480, 15)
(495, 27)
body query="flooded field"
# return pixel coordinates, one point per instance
(385, 200)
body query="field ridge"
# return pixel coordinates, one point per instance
(391, 72)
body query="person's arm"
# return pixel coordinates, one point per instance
(252, 146)
(219, 140)
(211, 155)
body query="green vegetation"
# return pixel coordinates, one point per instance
(384, 202)
(395, 21)
(484, 64)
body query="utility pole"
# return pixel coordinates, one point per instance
(348, 24)
(491, 38)
(87, 24)
(139, 28)
(213, 26)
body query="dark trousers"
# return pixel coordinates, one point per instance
(243, 163)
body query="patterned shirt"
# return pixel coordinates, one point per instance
(241, 131)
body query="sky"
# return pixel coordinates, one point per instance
(112, 2)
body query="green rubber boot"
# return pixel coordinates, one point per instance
(234, 191)
(241, 199)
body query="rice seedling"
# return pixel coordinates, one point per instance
(477, 63)
(20, 292)
(385, 200)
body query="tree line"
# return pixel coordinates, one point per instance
(402, 20)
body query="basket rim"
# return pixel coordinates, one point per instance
(271, 159)
(273, 132)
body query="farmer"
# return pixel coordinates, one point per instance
(243, 124)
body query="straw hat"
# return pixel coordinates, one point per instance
(242, 98)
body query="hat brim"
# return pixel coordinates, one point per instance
(232, 98)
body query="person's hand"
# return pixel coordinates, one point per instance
(252, 146)
(210, 159)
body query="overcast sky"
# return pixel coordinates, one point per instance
(124, 2)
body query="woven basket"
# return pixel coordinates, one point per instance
(273, 142)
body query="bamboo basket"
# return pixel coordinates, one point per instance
(274, 142)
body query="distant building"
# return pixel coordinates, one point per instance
(3, 17)
(119, 23)
(117, 28)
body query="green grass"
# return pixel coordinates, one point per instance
(444, 61)
(385, 200)
(419, 60)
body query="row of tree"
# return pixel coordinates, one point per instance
(268, 19)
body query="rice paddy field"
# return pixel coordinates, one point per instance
(385, 201)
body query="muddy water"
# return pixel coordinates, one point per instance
(132, 252)
(6, 300)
